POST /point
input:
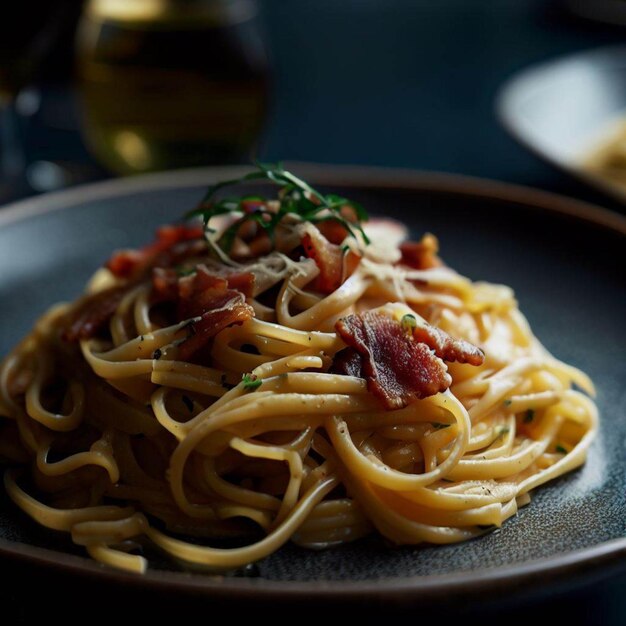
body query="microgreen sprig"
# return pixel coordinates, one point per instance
(295, 197)
(251, 381)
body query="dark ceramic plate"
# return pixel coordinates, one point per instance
(563, 258)
(566, 107)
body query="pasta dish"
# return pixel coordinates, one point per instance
(281, 369)
(606, 158)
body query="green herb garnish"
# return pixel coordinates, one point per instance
(529, 416)
(508, 402)
(439, 425)
(560, 449)
(295, 197)
(251, 381)
(409, 323)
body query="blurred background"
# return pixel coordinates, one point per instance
(98, 88)
(95, 89)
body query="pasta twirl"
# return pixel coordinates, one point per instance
(285, 374)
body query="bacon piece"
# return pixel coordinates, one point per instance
(162, 251)
(421, 255)
(197, 293)
(200, 295)
(334, 231)
(223, 309)
(207, 296)
(330, 259)
(348, 362)
(123, 263)
(446, 347)
(242, 281)
(164, 284)
(93, 313)
(397, 368)
(169, 286)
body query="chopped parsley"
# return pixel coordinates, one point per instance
(251, 381)
(409, 323)
(439, 425)
(529, 416)
(560, 449)
(508, 402)
(157, 354)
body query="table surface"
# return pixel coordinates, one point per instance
(407, 83)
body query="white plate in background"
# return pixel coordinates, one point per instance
(565, 108)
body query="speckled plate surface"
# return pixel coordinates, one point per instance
(565, 261)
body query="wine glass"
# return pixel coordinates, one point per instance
(27, 34)
(170, 83)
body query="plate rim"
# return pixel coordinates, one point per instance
(372, 176)
(598, 561)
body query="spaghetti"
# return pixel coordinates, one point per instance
(285, 373)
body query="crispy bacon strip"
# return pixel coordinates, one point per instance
(93, 313)
(194, 296)
(223, 309)
(207, 296)
(348, 362)
(334, 231)
(164, 284)
(330, 258)
(397, 368)
(446, 347)
(163, 251)
(172, 243)
(169, 286)
(199, 293)
(241, 281)
(421, 255)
